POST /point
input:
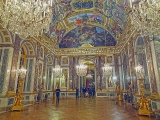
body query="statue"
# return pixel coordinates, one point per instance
(118, 91)
(117, 88)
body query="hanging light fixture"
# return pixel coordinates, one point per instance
(145, 16)
(26, 17)
(81, 69)
(140, 71)
(57, 71)
(89, 76)
(107, 70)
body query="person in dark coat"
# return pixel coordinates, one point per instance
(77, 92)
(84, 91)
(57, 95)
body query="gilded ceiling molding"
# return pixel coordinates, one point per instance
(126, 36)
(6, 35)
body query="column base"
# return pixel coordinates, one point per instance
(10, 93)
(35, 92)
(104, 90)
(70, 89)
(144, 112)
(98, 90)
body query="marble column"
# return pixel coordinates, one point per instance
(150, 67)
(154, 58)
(134, 81)
(102, 62)
(116, 64)
(36, 68)
(97, 85)
(13, 75)
(44, 70)
(70, 82)
(76, 81)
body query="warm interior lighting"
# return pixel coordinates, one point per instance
(57, 71)
(26, 17)
(81, 69)
(107, 70)
(140, 71)
(145, 16)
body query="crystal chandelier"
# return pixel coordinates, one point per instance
(81, 69)
(107, 70)
(22, 72)
(26, 17)
(145, 16)
(57, 71)
(139, 71)
(89, 76)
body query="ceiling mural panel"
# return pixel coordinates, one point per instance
(68, 13)
(87, 34)
(83, 18)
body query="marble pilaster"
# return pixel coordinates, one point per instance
(116, 64)
(97, 73)
(36, 69)
(150, 67)
(70, 72)
(15, 64)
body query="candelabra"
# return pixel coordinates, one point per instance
(144, 108)
(89, 76)
(58, 73)
(107, 72)
(118, 92)
(81, 69)
(18, 98)
(26, 17)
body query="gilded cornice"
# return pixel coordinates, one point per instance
(126, 37)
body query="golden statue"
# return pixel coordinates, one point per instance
(118, 91)
(18, 98)
(144, 108)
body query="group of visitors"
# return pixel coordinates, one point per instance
(88, 92)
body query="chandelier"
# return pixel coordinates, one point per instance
(22, 72)
(57, 71)
(139, 71)
(81, 69)
(145, 16)
(89, 76)
(107, 70)
(26, 17)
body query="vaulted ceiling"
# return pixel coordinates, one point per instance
(95, 22)
(88, 27)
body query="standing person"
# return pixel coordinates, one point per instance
(77, 92)
(57, 94)
(84, 91)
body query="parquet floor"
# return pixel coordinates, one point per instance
(72, 109)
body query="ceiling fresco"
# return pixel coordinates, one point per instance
(87, 34)
(69, 15)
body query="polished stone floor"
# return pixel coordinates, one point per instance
(72, 109)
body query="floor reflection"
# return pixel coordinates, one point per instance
(81, 109)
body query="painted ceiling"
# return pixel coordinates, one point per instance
(94, 22)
